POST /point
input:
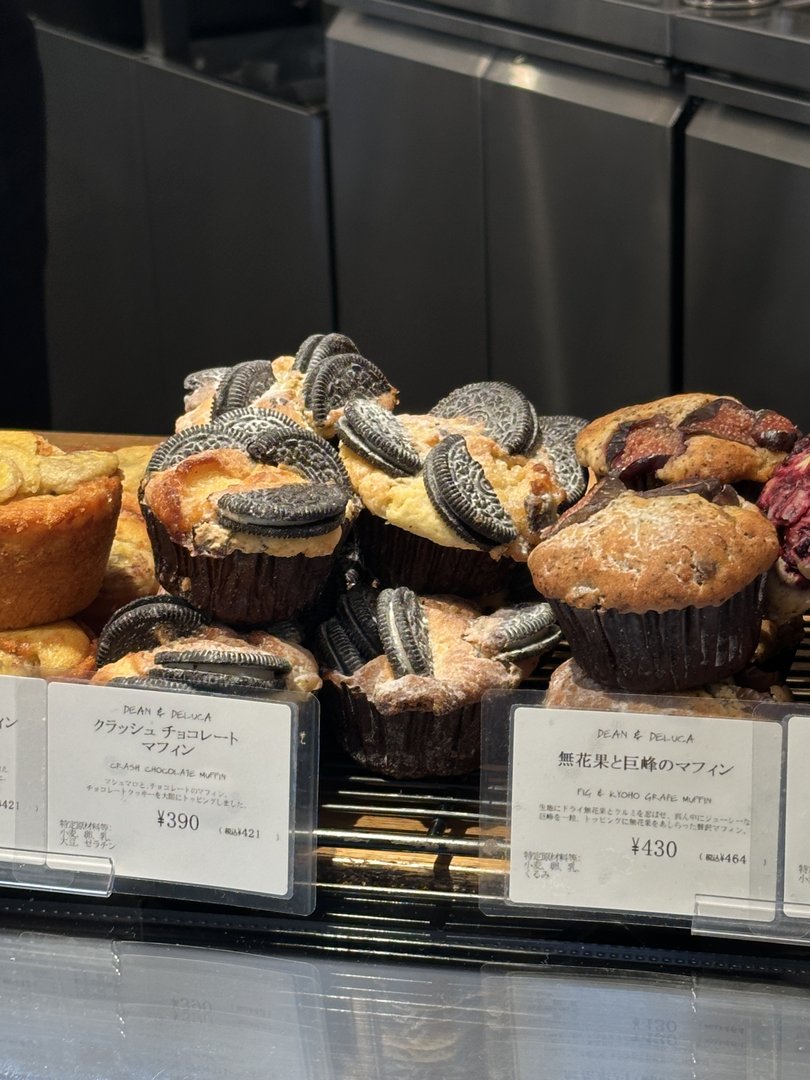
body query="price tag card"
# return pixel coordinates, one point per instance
(642, 813)
(797, 820)
(189, 789)
(22, 750)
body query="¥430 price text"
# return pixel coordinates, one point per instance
(655, 849)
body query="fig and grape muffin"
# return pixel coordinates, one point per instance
(312, 387)
(661, 589)
(57, 519)
(456, 498)
(685, 437)
(245, 527)
(404, 675)
(570, 688)
(162, 643)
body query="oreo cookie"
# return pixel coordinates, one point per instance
(558, 436)
(506, 415)
(252, 422)
(243, 384)
(403, 629)
(357, 613)
(463, 497)
(148, 682)
(195, 379)
(146, 623)
(209, 657)
(335, 648)
(214, 682)
(319, 347)
(291, 510)
(302, 450)
(523, 631)
(379, 438)
(337, 380)
(194, 440)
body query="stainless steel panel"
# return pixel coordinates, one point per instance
(747, 320)
(102, 329)
(578, 178)
(236, 185)
(408, 202)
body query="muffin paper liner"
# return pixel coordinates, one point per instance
(406, 745)
(240, 589)
(670, 650)
(397, 557)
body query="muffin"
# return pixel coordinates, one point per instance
(685, 437)
(404, 675)
(246, 527)
(785, 500)
(60, 650)
(657, 590)
(162, 643)
(130, 571)
(570, 688)
(454, 500)
(57, 519)
(311, 387)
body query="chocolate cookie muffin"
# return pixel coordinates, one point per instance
(685, 437)
(404, 675)
(244, 526)
(162, 643)
(658, 590)
(454, 499)
(312, 388)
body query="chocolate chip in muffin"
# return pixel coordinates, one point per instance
(337, 380)
(291, 510)
(146, 623)
(251, 421)
(244, 384)
(506, 414)
(336, 649)
(319, 347)
(377, 436)
(461, 494)
(303, 451)
(403, 631)
(194, 440)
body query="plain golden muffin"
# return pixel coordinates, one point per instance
(57, 520)
(59, 650)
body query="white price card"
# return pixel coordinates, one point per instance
(182, 788)
(642, 813)
(797, 820)
(22, 746)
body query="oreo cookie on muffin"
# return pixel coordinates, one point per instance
(658, 590)
(685, 437)
(404, 675)
(161, 643)
(454, 499)
(245, 526)
(311, 388)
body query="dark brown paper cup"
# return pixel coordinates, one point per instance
(396, 557)
(669, 650)
(239, 589)
(406, 745)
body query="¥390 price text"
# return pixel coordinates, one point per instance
(172, 820)
(656, 849)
